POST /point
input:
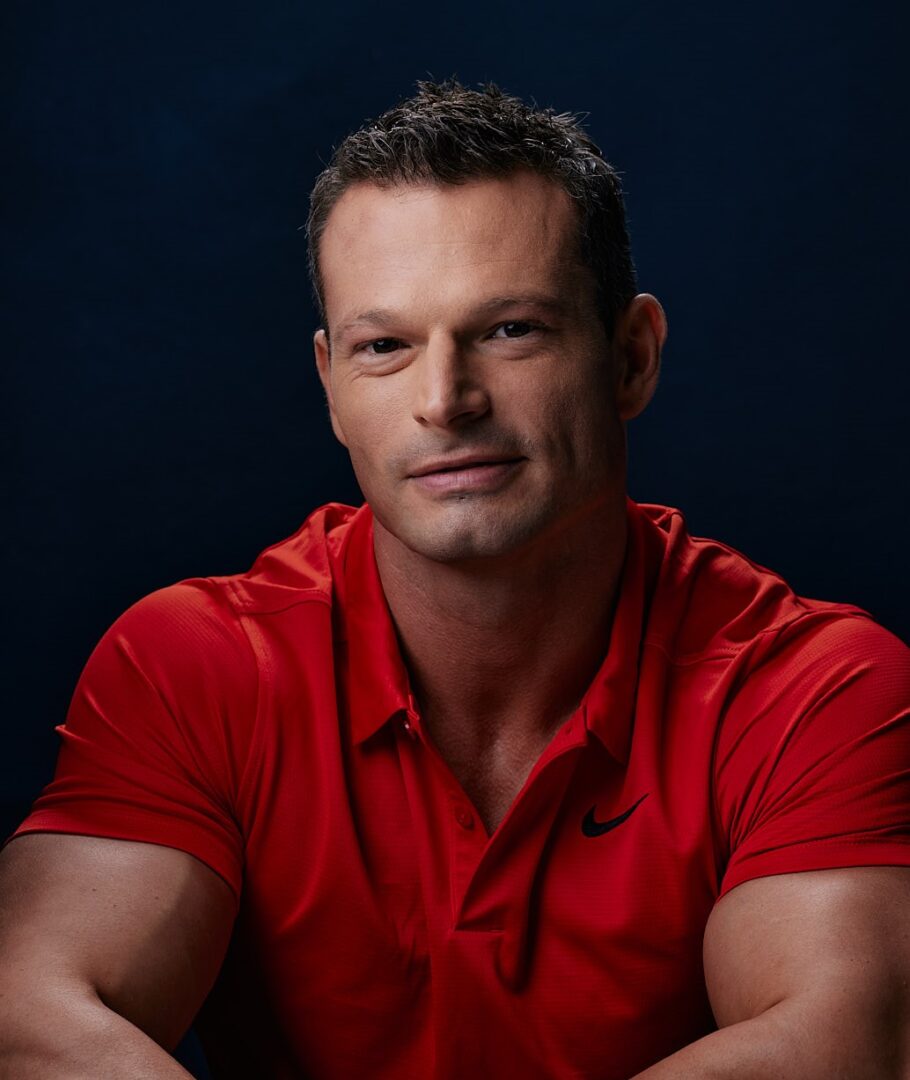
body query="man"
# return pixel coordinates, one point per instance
(501, 773)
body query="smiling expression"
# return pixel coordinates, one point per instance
(469, 375)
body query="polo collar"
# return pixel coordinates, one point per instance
(376, 680)
(608, 706)
(375, 677)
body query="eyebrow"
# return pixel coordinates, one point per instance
(381, 316)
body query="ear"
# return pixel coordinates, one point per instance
(638, 338)
(324, 367)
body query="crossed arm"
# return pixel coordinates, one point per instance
(809, 977)
(108, 948)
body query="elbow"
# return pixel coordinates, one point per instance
(855, 1038)
(42, 1022)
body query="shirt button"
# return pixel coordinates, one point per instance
(464, 818)
(408, 727)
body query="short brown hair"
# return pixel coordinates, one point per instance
(448, 134)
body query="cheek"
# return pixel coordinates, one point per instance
(572, 407)
(369, 423)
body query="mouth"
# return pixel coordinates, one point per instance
(461, 464)
(484, 474)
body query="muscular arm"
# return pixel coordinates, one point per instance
(809, 977)
(107, 950)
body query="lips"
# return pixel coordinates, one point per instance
(467, 476)
(456, 464)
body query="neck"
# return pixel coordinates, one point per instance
(506, 649)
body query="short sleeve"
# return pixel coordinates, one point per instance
(812, 763)
(152, 745)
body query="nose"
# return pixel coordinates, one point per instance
(447, 392)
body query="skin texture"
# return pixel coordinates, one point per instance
(107, 950)
(809, 977)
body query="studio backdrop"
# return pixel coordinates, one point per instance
(163, 415)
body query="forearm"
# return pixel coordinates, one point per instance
(67, 1033)
(791, 1041)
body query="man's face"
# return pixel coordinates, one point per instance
(463, 327)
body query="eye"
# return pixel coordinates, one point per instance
(380, 346)
(517, 329)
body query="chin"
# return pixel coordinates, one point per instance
(469, 534)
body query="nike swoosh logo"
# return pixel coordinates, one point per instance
(590, 827)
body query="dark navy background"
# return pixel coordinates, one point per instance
(163, 415)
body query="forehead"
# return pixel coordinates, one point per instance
(446, 244)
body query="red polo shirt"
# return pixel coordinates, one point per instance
(263, 722)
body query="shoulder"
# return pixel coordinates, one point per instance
(202, 623)
(792, 667)
(820, 683)
(806, 704)
(303, 566)
(217, 640)
(712, 601)
(191, 627)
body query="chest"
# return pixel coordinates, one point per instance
(490, 774)
(390, 927)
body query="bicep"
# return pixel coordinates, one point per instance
(832, 944)
(144, 926)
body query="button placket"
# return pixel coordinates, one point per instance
(514, 849)
(410, 720)
(407, 724)
(467, 846)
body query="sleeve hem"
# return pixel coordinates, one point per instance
(145, 830)
(841, 856)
